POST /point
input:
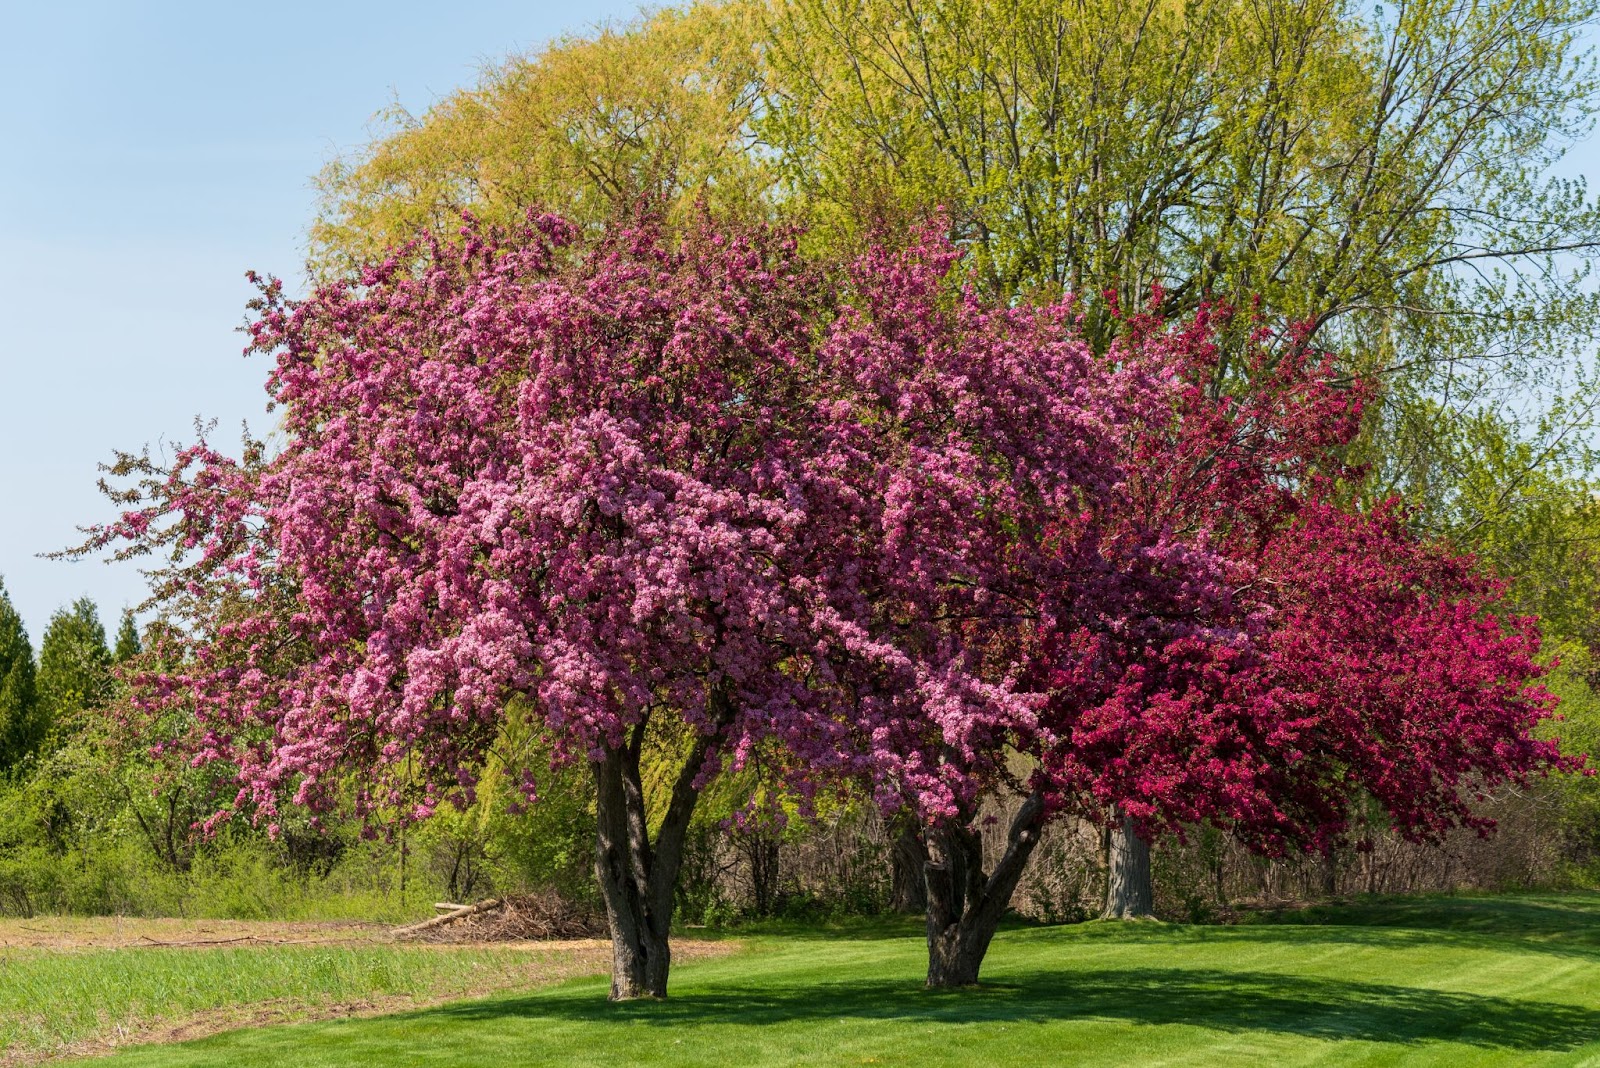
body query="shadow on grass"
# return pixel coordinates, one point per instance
(1227, 1001)
(849, 929)
(844, 929)
(1561, 924)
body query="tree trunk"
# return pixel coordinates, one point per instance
(638, 878)
(763, 853)
(964, 906)
(908, 888)
(1129, 893)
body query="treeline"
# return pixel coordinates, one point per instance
(96, 819)
(91, 822)
(45, 698)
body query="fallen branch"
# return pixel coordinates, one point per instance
(449, 917)
(146, 942)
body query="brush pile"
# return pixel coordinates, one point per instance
(542, 916)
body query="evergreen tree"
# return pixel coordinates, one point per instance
(127, 645)
(74, 664)
(20, 723)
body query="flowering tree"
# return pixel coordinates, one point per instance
(1255, 420)
(1292, 737)
(523, 465)
(1102, 604)
(994, 455)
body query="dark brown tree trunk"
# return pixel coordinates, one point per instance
(637, 877)
(1330, 874)
(1129, 892)
(762, 852)
(964, 905)
(908, 887)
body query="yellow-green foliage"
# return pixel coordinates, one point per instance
(1077, 144)
(1334, 164)
(582, 127)
(1574, 681)
(549, 843)
(1371, 172)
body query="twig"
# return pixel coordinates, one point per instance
(149, 942)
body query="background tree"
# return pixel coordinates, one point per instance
(127, 645)
(586, 126)
(74, 665)
(1334, 160)
(22, 727)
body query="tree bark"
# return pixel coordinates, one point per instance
(638, 878)
(908, 887)
(964, 905)
(1129, 892)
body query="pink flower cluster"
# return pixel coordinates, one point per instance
(921, 541)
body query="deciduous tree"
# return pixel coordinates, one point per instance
(584, 474)
(1112, 622)
(661, 107)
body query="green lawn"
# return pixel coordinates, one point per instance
(1513, 980)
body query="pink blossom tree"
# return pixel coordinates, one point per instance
(523, 467)
(988, 450)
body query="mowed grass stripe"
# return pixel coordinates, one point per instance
(51, 1001)
(1440, 982)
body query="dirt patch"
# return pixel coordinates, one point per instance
(66, 933)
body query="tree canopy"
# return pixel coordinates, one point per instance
(586, 126)
(74, 663)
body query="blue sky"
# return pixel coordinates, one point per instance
(149, 154)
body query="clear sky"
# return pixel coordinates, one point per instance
(150, 153)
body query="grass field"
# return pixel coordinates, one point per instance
(89, 985)
(1447, 981)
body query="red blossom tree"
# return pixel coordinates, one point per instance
(1137, 612)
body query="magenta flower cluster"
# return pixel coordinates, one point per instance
(920, 541)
